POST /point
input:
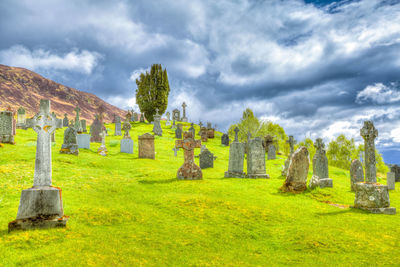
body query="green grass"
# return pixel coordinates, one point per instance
(128, 211)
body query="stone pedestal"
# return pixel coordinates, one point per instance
(83, 141)
(373, 197)
(325, 182)
(127, 146)
(391, 179)
(69, 149)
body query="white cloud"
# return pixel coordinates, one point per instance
(123, 102)
(378, 93)
(136, 73)
(78, 61)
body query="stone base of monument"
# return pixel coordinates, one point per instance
(7, 139)
(39, 207)
(83, 141)
(325, 182)
(255, 176)
(126, 146)
(373, 197)
(102, 150)
(189, 172)
(235, 174)
(184, 119)
(69, 149)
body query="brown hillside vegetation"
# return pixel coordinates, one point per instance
(22, 87)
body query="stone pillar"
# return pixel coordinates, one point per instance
(369, 133)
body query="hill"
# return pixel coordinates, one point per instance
(22, 87)
(126, 211)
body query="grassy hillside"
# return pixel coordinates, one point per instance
(129, 211)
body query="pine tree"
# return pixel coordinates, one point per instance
(152, 91)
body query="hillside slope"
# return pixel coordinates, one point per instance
(22, 87)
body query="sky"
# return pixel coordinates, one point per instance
(317, 68)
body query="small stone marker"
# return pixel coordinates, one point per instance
(236, 158)
(184, 118)
(391, 180)
(296, 179)
(256, 159)
(178, 131)
(189, 170)
(157, 124)
(65, 120)
(95, 130)
(175, 151)
(225, 139)
(206, 159)
(356, 173)
(117, 129)
(7, 127)
(70, 145)
(146, 146)
(103, 149)
(83, 141)
(41, 206)
(271, 152)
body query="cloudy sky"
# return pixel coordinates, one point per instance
(318, 68)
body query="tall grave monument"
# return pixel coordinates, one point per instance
(189, 170)
(184, 118)
(78, 126)
(126, 141)
(320, 165)
(21, 118)
(236, 158)
(7, 130)
(157, 124)
(256, 159)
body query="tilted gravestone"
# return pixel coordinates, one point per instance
(296, 179)
(320, 164)
(41, 206)
(396, 170)
(206, 159)
(256, 159)
(146, 146)
(236, 158)
(117, 131)
(70, 145)
(126, 142)
(291, 143)
(178, 131)
(189, 170)
(95, 130)
(271, 152)
(356, 173)
(157, 124)
(370, 195)
(65, 120)
(225, 140)
(184, 118)
(6, 127)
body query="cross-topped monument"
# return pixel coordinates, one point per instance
(236, 130)
(78, 127)
(319, 144)
(369, 133)
(184, 119)
(103, 149)
(189, 170)
(127, 127)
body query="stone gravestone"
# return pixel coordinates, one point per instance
(178, 131)
(14, 121)
(200, 126)
(192, 130)
(206, 159)
(6, 127)
(103, 149)
(78, 126)
(136, 116)
(291, 143)
(117, 131)
(396, 170)
(83, 125)
(176, 115)
(65, 120)
(95, 130)
(271, 152)
(370, 195)
(41, 206)
(189, 170)
(256, 159)
(356, 173)
(184, 118)
(146, 146)
(204, 135)
(126, 142)
(141, 117)
(168, 122)
(320, 165)
(296, 179)
(157, 124)
(70, 145)
(391, 179)
(83, 141)
(175, 151)
(236, 158)
(21, 118)
(210, 131)
(173, 124)
(225, 140)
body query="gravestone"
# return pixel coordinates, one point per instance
(176, 115)
(141, 117)
(168, 122)
(271, 152)
(95, 130)
(59, 124)
(127, 127)
(356, 173)
(184, 118)
(41, 206)
(204, 135)
(146, 146)
(103, 149)
(370, 195)
(200, 126)
(296, 179)
(21, 118)
(6, 127)
(78, 126)
(175, 151)
(117, 131)
(70, 145)
(256, 159)
(192, 130)
(83, 141)
(391, 180)
(291, 143)
(157, 124)
(225, 140)
(65, 120)
(189, 170)
(210, 131)
(236, 158)
(396, 169)
(83, 126)
(268, 140)
(173, 124)
(178, 131)
(136, 116)
(128, 116)
(320, 164)
(206, 159)
(126, 142)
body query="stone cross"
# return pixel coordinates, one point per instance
(291, 142)
(319, 145)
(127, 127)
(236, 134)
(77, 120)
(44, 124)
(369, 133)
(103, 138)
(189, 170)
(184, 110)
(175, 151)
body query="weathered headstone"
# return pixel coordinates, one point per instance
(391, 180)
(271, 152)
(356, 173)
(168, 122)
(95, 130)
(210, 131)
(200, 126)
(70, 145)
(178, 131)
(206, 159)
(192, 130)
(41, 206)
(21, 118)
(320, 164)
(141, 117)
(83, 141)
(173, 124)
(126, 141)
(396, 169)
(291, 143)
(146, 146)
(78, 126)
(102, 149)
(176, 115)
(225, 140)
(189, 170)
(184, 118)
(117, 131)
(127, 127)
(369, 133)
(268, 140)
(65, 120)
(256, 159)
(136, 116)
(157, 124)
(6, 127)
(296, 179)
(236, 158)
(83, 125)
(204, 135)
(175, 151)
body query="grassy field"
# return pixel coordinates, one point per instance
(129, 211)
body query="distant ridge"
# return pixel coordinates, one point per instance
(22, 87)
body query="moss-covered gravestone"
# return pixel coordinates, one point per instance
(189, 170)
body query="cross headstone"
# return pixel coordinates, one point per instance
(189, 170)
(65, 120)
(127, 127)
(103, 149)
(184, 119)
(236, 130)
(70, 145)
(369, 133)
(157, 124)
(78, 126)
